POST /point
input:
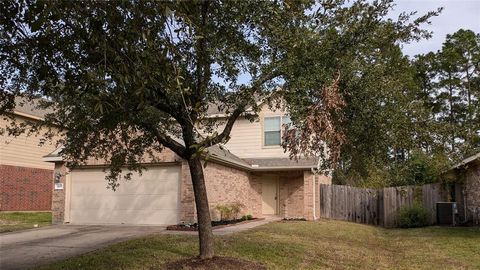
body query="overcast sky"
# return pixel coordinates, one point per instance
(455, 15)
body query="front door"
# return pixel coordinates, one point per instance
(269, 196)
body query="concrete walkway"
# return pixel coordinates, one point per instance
(233, 228)
(25, 249)
(245, 226)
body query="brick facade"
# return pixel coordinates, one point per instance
(291, 194)
(472, 192)
(308, 179)
(226, 184)
(25, 189)
(58, 196)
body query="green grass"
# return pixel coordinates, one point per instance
(304, 245)
(14, 221)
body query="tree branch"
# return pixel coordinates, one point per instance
(166, 141)
(238, 111)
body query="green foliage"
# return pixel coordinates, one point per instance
(406, 129)
(418, 169)
(246, 217)
(413, 217)
(127, 79)
(230, 211)
(422, 169)
(122, 80)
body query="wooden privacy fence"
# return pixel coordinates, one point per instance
(376, 206)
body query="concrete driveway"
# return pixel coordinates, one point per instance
(24, 249)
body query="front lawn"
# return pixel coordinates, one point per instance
(304, 245)
(14, 221)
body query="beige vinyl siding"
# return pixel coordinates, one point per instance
(247, 138)
(23, 151)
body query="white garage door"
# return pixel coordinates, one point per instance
(151, 198)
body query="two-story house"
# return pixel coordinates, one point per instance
(251, 169)
(25, 180)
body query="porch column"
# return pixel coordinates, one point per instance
(308, 196)
(59, 193)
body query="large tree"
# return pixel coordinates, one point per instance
(126, 79)
(450, 81)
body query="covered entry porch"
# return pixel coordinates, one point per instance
(290, 194)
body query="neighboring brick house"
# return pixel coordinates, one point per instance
(255, 171)
(467, 189)
(25, 180)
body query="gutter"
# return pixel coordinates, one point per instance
(259, 169)
(52, 158)
(26, 115)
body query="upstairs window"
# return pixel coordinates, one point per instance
(273, 130)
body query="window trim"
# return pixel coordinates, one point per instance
(276, 146)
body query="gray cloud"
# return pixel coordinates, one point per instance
(455, 15)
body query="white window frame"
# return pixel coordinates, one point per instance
(282, 117)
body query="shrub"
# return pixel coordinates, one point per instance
(413, 217)
(229, 211)
(236, 208)
(249, 217)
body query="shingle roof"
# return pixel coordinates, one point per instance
(466, 161)
(281, 162)
(30, 108)
(222, 155)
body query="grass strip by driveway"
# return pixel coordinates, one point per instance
(14, 221)
(304, 245)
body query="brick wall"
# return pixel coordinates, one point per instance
(227, 185)
(25, 189)
(187, 199)
(472, 192)
(291, 194)
(224, 185)
(308, 179)
(58, 196)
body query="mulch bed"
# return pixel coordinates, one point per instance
(215, 224)
(214, 263)
(294, 219)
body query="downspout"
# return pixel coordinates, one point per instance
(315, 171)
(465, 219)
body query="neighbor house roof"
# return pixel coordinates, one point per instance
(29, 108)
(468, 160)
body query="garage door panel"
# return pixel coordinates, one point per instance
(147, 217)
(145, 184)
(141, 187)
(150, 198)
(136, 202)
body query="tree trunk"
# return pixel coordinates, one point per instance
(203, 212)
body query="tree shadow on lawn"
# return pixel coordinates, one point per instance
(214, 263)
